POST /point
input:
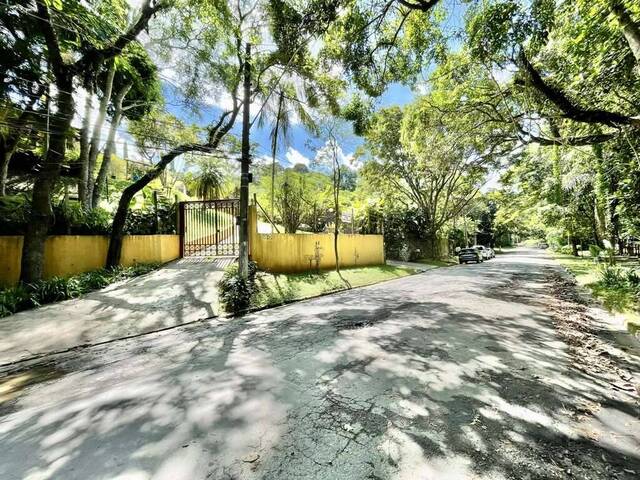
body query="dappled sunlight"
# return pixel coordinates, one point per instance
(436, 379)
(178, 293)
(173, 416)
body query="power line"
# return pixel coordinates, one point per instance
(176, 124)
(210, 152)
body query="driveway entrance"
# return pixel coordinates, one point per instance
(208, 228)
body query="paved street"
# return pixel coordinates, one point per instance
(455, 373)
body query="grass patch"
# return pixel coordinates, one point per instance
(438, 262)
(55, 289)
(619, 298)
(277, 289)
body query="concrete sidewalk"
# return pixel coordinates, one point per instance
(180, 292)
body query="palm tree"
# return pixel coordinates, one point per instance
(210, 181)
(280, 108)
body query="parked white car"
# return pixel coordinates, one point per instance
(484, 251)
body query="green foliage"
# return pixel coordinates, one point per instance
(564, 249)
(621, 279)
(23, 297)
(632, 277)
(290, 202)
(209, 181)
(147, 221)
(358, 111)
(594, 251)
(380, 42)
(14, 214)
(422, 159)
(69, 218)
(235, 292)
(72, 219)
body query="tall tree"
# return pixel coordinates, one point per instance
(224, 30)
(280, 109)
(67, 60)
(137, 90)
(425, 159)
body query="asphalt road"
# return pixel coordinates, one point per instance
(456, 373)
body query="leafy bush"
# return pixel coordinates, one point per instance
(24, 297)
(236, 292)
(632, 276)
(594, 251)
(565, 249)
(14, 212)
(145, 222)
(612, 276)
(72, 219)
(13, 300)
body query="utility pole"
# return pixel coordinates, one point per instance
(245, 160)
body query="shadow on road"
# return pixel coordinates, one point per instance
(454, 374)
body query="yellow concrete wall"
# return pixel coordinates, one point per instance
(10, 252)
(66, 255)
(291, 252)
(288, 252)
(149, 249)
(70, 254)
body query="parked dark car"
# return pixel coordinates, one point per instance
(467, 255)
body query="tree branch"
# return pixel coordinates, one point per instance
(53, 47)
(95, 55)
(630, 29)
(578, 141)
(569, 108)
(422, 5)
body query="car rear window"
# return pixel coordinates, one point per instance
(467, 250)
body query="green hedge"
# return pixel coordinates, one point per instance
(26, 296)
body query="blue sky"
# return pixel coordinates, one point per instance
(301, 146)
(299, 149)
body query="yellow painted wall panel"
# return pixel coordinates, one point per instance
(66, 255)
(149, 249)
(71, 254)
(10, 253)
(284, 252)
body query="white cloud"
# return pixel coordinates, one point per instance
(324, 158)
(504, 75)
(293, 156)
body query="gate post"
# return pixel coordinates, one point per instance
(181, 227)
(253, 229)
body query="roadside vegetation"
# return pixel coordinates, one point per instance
(268, 289)
(617, 286)
(42, 292)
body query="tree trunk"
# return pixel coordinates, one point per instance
(273, 186)
(32, 262)
(595, 222)
(630, 29)
(84, 148)
(110, 146)
(120, 218)
(574, 246)
(4, 167)
(94, 149)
